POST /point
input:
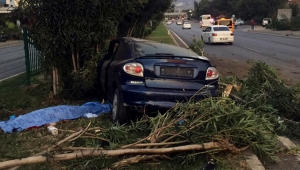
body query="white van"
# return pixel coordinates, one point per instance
(206, 21)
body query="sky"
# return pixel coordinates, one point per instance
(184, 4)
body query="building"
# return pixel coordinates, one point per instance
(6, 6)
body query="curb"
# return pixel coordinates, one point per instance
(252, 160)
(288, 144)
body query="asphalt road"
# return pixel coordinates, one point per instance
(278, 51)
(12, 59)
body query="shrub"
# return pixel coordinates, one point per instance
(283, 24)
(148, 31)
(295, 23)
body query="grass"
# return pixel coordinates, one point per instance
(17, 98)
(160, 34)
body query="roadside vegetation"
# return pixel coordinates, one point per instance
(249, 113)
(256, 110)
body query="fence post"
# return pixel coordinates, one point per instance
(26, 49)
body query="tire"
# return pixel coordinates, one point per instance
(119, 112)
(209, 41)
(230, 43)
(202, 38)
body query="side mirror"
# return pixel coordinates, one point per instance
(203, 30)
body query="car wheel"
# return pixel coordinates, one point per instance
(209, 41)
(230, 43)
(119, 112)
(202, 38)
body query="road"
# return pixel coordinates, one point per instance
(278, 51)
(12, 59)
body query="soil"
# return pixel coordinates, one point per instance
(230, 67)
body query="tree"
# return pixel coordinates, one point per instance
(71, 34)
(295, 8)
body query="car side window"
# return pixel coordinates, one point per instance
(208, 29)
(113, 47)
(120, 54)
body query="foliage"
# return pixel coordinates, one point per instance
(263, 88)
(295, 8)
(282, 24)
(71, 34)
(197, 46)
(245, 9)
(295, 23)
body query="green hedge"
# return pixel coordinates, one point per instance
(295, 23)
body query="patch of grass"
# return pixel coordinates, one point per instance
(160, 34)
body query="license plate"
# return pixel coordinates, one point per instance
(223, 38)
(177, 72)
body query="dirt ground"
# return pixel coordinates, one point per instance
(230, 67)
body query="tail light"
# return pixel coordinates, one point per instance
(214, 34)
(231, 34)
(135, 69)
(211, 73)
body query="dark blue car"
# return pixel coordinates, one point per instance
(140, 75)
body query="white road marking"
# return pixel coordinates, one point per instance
(180, 39)
(12, 76)
(251, 49)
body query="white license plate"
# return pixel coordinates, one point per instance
(223, 38)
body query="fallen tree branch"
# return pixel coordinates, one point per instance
(120, 152)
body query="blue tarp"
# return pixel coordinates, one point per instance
(53, 114)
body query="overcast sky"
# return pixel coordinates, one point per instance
(184, 4)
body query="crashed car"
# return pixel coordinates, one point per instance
(139, 75)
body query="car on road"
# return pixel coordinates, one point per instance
(186, 25)
(266, 21)
(179, 22)
(169, 22)
(139, 75)
(217, 34)
(239, 22)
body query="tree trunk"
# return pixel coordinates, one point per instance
(55, 79)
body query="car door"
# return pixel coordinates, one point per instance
(206, 33)
(105, 63)
(119, 58)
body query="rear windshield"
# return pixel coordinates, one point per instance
(221, 29)
(186, 23)
(148, 48)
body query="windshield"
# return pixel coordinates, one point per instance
(221, 29)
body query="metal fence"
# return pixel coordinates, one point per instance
(32, 56)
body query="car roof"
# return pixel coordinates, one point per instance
(145, 47)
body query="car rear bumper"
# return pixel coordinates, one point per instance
(219, 40)
(151, 99)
